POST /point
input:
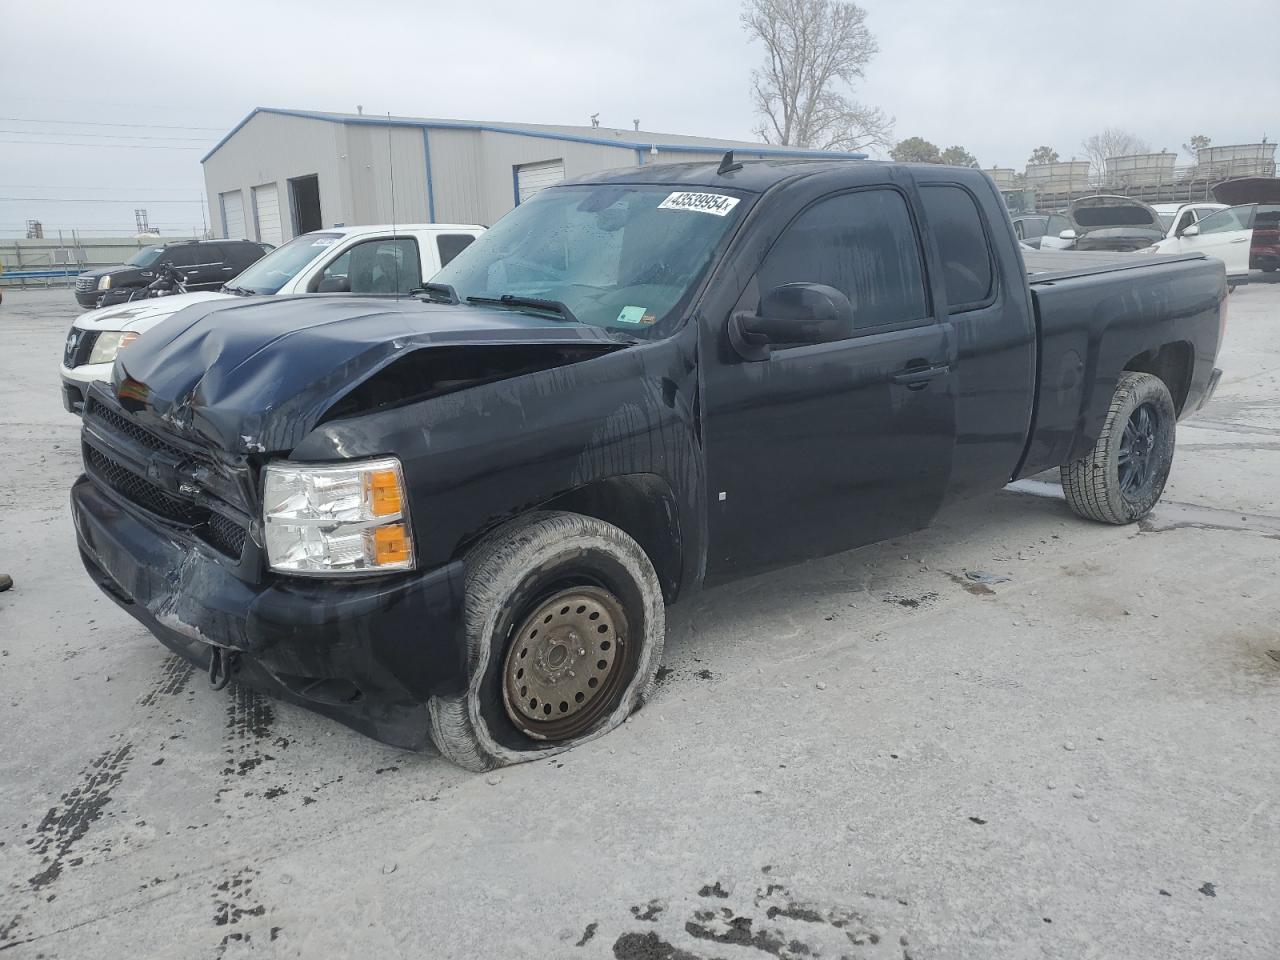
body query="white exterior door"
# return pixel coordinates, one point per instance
(266, 206)
(532, 177)
(1225, 235)
(233, 215)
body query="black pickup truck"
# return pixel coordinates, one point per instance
(459, 517)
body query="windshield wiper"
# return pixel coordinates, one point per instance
(437, 293)
(537, 303)
(240, 291)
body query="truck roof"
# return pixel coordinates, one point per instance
(388, 227)
(753, 175)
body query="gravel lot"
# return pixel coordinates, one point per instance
(868, 756)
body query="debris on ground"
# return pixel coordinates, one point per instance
(981, 576)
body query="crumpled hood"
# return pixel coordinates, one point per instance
(258, 375)
(142, 315)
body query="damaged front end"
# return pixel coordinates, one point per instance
(170, 532)
(169, 512)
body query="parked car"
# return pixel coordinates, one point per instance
(1176, 217)
(1116, 224)
(369, 260)
(1244, 238)
(207, 264)
(461, 518)
(1042, 231)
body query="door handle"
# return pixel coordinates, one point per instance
(917, 378)
(1240, 240)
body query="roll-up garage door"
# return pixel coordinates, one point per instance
(532, 177)
(266, 205)
(233, 215)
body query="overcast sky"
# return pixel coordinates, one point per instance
(997, 77)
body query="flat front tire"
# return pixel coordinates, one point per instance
(1122, 477)
(564, 623)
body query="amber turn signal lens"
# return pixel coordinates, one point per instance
(390, 544)
(384, 493)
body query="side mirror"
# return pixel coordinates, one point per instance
(1067, 234)
(334, 285)
(794, 313)
(1190, 230)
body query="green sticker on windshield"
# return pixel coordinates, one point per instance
(635, 315)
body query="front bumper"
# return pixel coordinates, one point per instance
(76, 380)
(368, 653)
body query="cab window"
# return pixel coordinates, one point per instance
(865, 245)
(384, 266)
(449, 245)
(957, 229)
(1224, 221)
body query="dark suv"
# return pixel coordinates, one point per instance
(207, 265)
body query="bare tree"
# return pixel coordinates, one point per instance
(816, 50)
(1112, 142)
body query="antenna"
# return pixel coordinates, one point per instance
(391, 163)
(595, 120)
(727, 164)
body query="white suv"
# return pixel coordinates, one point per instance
(375, 260)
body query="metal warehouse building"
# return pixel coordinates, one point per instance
(280, 173)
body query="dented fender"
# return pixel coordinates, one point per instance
(480, 456)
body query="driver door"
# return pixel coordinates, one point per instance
(823, 447)
(1225, 235)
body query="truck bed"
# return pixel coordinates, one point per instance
(1094, 312)
(1044, 266)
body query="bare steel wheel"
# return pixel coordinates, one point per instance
(564, 627)
(562, 666)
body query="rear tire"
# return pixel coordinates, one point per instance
(1121, 479)
(582, 574)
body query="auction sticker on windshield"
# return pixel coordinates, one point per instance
(713, 203)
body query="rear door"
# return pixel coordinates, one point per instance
(266, 211)
(187, 259)
(994, 331)
(532, 177)
(232, 204)
(824, 447)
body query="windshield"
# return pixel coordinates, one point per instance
(623, 256)
(1166, 221)
(145, 257)
(268, 275)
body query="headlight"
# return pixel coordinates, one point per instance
(1152, 249)
(109, 343)
(336, 519)
(104, 282)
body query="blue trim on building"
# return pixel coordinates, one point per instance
(431, 194)
(747, 151)
(515, 182)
